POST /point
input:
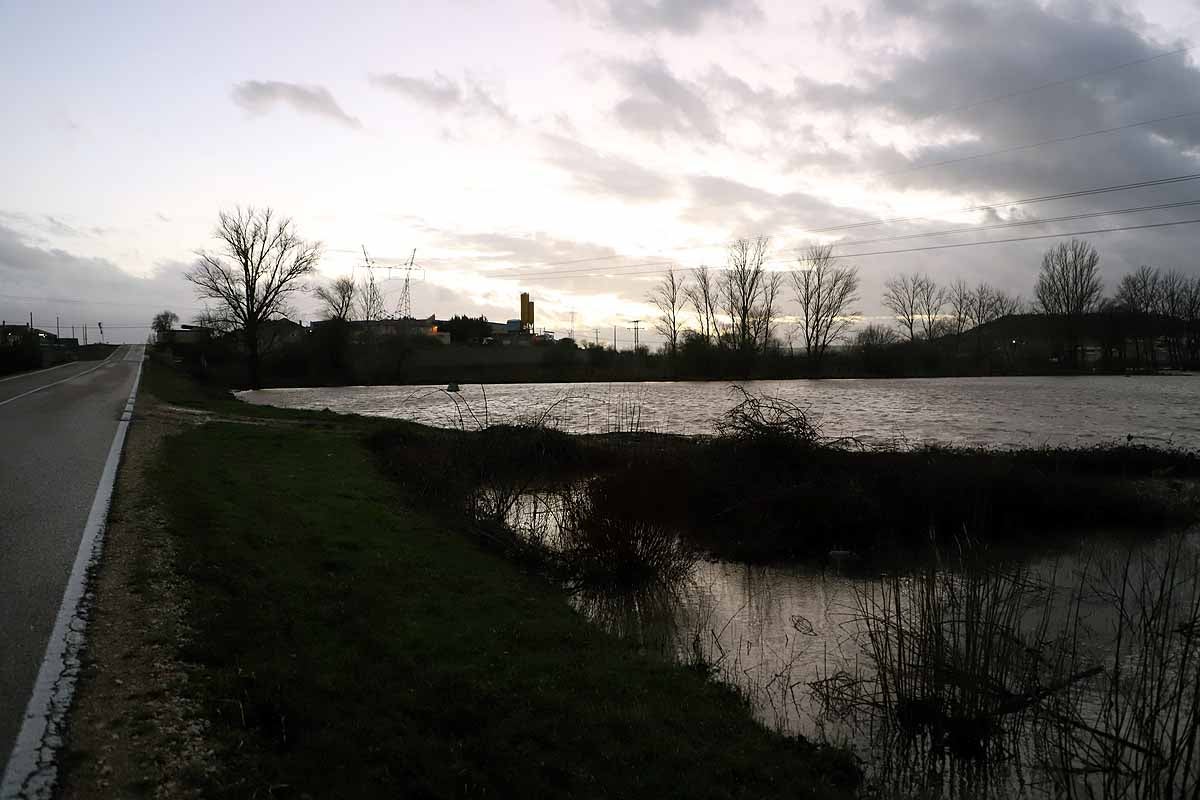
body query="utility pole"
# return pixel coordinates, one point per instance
(571, 330)
(73, 333)
(57, 332)
(30, 320)
(596, 336)
(615, 348)
(85, 335)
(635, 333)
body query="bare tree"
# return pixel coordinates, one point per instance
(825, 292)
(702, 294)
(900, 297)
(1138, 291)
(1069, 284)
(371, 303)
(1171, 305)
(767, 315)
(215, 321)
(875, 336)
(931, 299)
(1191, 317)
(741, 288)
(260, 264)
(337, 299)
(959, 297)
(1138, 294)
(1005, 304)
(981, 305)
(164, 321)
(669, 297)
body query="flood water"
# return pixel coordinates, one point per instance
(781, 632)
(1006, 412)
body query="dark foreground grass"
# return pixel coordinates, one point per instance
(352, 647)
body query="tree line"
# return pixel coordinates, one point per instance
(739, 311)
(740, 308)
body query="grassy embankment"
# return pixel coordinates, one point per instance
(354, 645)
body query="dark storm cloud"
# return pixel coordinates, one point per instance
(743, 210)
(974, 52)
(54, 282)
(259, 97)
(676, 16)
(658, 102)
(443, 94)
(605, 174)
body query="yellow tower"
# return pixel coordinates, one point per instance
(526, 310)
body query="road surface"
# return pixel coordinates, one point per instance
(56, 428)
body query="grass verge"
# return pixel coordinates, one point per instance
(354, 647)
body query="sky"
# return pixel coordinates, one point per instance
(575, 149)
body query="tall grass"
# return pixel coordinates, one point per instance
(978, 672)
(1134, 732)
(957, 653)
(596, 549)
(624, 416)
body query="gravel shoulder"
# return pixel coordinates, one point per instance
(133, 731)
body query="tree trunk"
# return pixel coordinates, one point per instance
(251, 333)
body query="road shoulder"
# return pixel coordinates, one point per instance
(133, 730)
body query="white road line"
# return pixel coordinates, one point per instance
(37, 371)
(56, 383)
(32, 768)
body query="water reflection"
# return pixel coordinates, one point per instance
(795, 641)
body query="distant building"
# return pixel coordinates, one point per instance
(14, 332)
(390, 328)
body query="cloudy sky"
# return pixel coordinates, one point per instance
(573, 148)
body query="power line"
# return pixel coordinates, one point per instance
(516, 272)
(623, 270)
(1145, 226)
(1032, 145)
(1023, 201)
(925, 248)
(1021, 223)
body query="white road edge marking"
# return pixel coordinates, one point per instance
(38, 371)
(32, 770)
(64, 380)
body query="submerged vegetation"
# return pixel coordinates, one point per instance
(979, 677)
(770, 486)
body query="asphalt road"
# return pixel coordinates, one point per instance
(53, 444)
